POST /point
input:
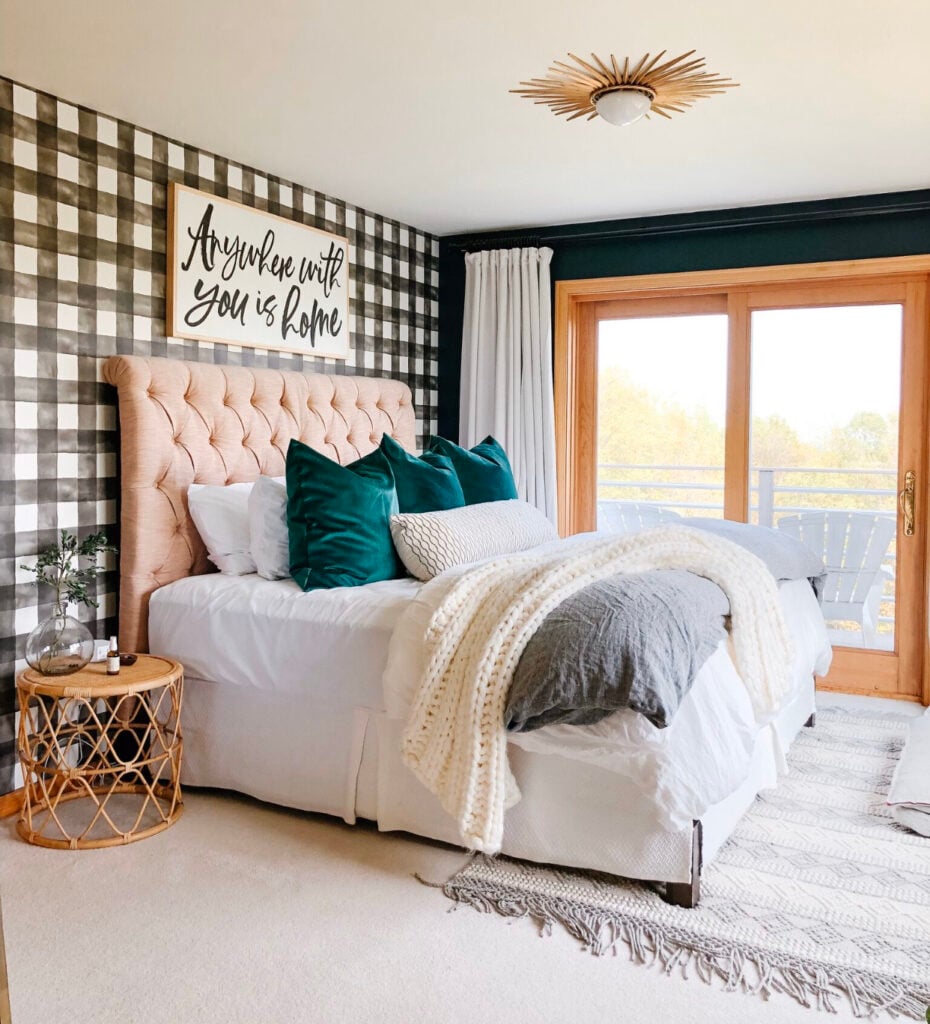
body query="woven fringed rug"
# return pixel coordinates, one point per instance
(818, 894)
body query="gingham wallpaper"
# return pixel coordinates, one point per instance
(82, 277)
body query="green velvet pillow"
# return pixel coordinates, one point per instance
(427, 484)
(483, 471)
(338, 520)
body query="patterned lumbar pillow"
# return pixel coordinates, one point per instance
(431, 542)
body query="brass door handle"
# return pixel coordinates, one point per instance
(906, 502)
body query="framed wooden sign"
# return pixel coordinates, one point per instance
(247, 277)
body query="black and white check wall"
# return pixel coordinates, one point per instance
(82, 277)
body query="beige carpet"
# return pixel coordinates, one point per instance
(247, 913)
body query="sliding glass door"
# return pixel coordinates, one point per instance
(796, 406)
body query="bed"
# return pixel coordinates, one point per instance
(285, 694)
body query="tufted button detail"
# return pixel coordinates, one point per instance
(373, 438)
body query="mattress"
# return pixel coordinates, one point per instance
(331, 649)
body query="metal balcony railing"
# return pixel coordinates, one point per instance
(764, 490)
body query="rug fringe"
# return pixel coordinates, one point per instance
(741, 968)
(442, 885)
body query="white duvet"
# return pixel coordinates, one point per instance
(694, 763)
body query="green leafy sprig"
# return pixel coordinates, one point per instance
(60, 567)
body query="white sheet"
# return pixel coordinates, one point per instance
(269, 635)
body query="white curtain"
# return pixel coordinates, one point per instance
(507, 365)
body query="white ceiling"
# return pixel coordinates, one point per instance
(402, 106)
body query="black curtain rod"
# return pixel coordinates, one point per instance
(517, 242)
(710, 223)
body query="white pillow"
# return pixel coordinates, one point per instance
(431, 542)
(221, 515)
(268, 528)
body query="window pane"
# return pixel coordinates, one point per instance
(825, 396)
(662, 384)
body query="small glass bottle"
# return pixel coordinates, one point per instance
(113, 658)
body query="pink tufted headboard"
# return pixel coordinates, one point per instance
(184, 423)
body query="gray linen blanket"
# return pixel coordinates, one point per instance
(637, 640)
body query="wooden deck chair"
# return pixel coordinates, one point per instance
(854, 546)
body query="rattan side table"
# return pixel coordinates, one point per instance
(101, 755)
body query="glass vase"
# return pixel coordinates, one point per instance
(60, 645)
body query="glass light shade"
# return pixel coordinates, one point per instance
(59, 646)
(623, 105)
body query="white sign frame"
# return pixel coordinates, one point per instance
(279, 284)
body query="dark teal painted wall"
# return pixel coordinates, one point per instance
(896, 224)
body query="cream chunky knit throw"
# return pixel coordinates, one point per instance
(455, 741)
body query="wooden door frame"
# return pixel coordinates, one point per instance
(575, 370)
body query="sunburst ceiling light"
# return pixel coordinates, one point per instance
(622, 94)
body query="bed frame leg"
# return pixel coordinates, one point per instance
(812, 721)
(688, 894)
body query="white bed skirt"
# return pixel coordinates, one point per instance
(281, 748)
